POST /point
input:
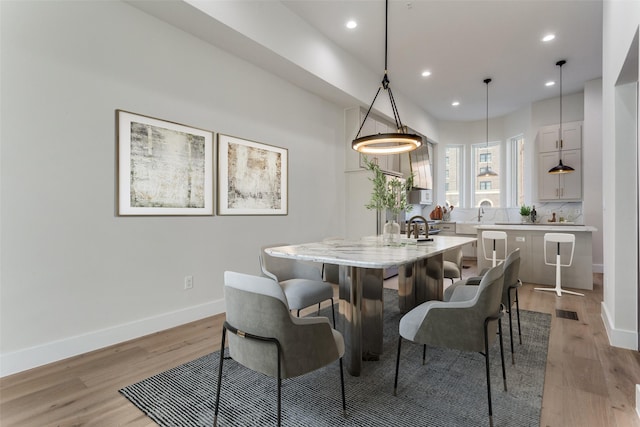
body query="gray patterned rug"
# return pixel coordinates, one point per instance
(449, 390)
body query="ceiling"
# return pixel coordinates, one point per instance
(464, 42)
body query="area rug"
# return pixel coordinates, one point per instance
(448, 391)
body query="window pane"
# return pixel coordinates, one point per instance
(486, 188)
(453, 181)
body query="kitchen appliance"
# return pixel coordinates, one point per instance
(420, 197)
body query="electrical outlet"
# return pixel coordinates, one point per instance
(188, 282)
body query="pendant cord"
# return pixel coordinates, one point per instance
(561, 64)
(487, 81)
(386, 26)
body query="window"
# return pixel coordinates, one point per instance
(486, 189)
(453, 174)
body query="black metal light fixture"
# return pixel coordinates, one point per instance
(560, 167)
(386, 143)
(486, 171)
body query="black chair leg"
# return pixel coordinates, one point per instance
(518, 314)
(424, 353)
(344, 401)
(215, 416)
(513, 357)
(279, 389)
(486, 360)
(509, 309)
(333, 314)
(504, 371)
(395, 383)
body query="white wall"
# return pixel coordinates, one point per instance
(592, 166)
(621, 20)
(75, 276)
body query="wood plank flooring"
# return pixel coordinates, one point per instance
(587, 382)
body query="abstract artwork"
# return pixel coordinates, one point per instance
(252, 177)
(164, 168)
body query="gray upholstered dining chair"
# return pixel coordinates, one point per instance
(467, 325)
(266, 338)
(301, 282)
(452, 265)
(511, 268)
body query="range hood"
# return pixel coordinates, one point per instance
(420, 163)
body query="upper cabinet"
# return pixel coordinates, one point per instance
(354, 160)
(548, 137)
(566, 187)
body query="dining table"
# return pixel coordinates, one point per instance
(361, 264)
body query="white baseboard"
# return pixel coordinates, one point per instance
(597, 268)
(618, 337)
(22, 360)
(638, 400)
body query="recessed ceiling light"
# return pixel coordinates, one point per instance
(550, 83)
(455, 103)
(548, 37)
(426, 73)
(351, 24)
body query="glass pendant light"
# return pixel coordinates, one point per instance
(487, 171)
(386, 143)
(560, 167)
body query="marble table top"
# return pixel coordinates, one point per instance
(369, 252)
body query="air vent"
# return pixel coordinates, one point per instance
(566, 314)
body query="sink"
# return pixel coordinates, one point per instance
(467, 227)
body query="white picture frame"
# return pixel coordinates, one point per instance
(252, 177)
(164, 168)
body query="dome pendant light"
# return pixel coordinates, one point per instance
(561, 168)
(386, 143)
(486, 171)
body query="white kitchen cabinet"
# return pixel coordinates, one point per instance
(566, 186)
(571, 137)
(353, 159)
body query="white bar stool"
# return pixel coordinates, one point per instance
(559, 238)
(494, 236)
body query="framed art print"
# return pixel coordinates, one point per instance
(252, 177)
(164, 168)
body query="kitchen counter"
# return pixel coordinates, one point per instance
(559, 227)
(530, 239)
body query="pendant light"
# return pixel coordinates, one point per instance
(486, 171)
(561, 168)
(386, 143)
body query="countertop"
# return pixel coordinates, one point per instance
(554, 227)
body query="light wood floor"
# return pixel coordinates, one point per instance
(587, 382)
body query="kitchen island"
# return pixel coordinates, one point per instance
(530, 239)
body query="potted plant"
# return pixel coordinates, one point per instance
(525, 212)
(390, 195)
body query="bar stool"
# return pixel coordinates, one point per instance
(559, 238)
(494, 236)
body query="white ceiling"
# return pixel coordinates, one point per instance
(461, 42)
(464, 42)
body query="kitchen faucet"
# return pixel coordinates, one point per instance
(416, 229)
(480, 212)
